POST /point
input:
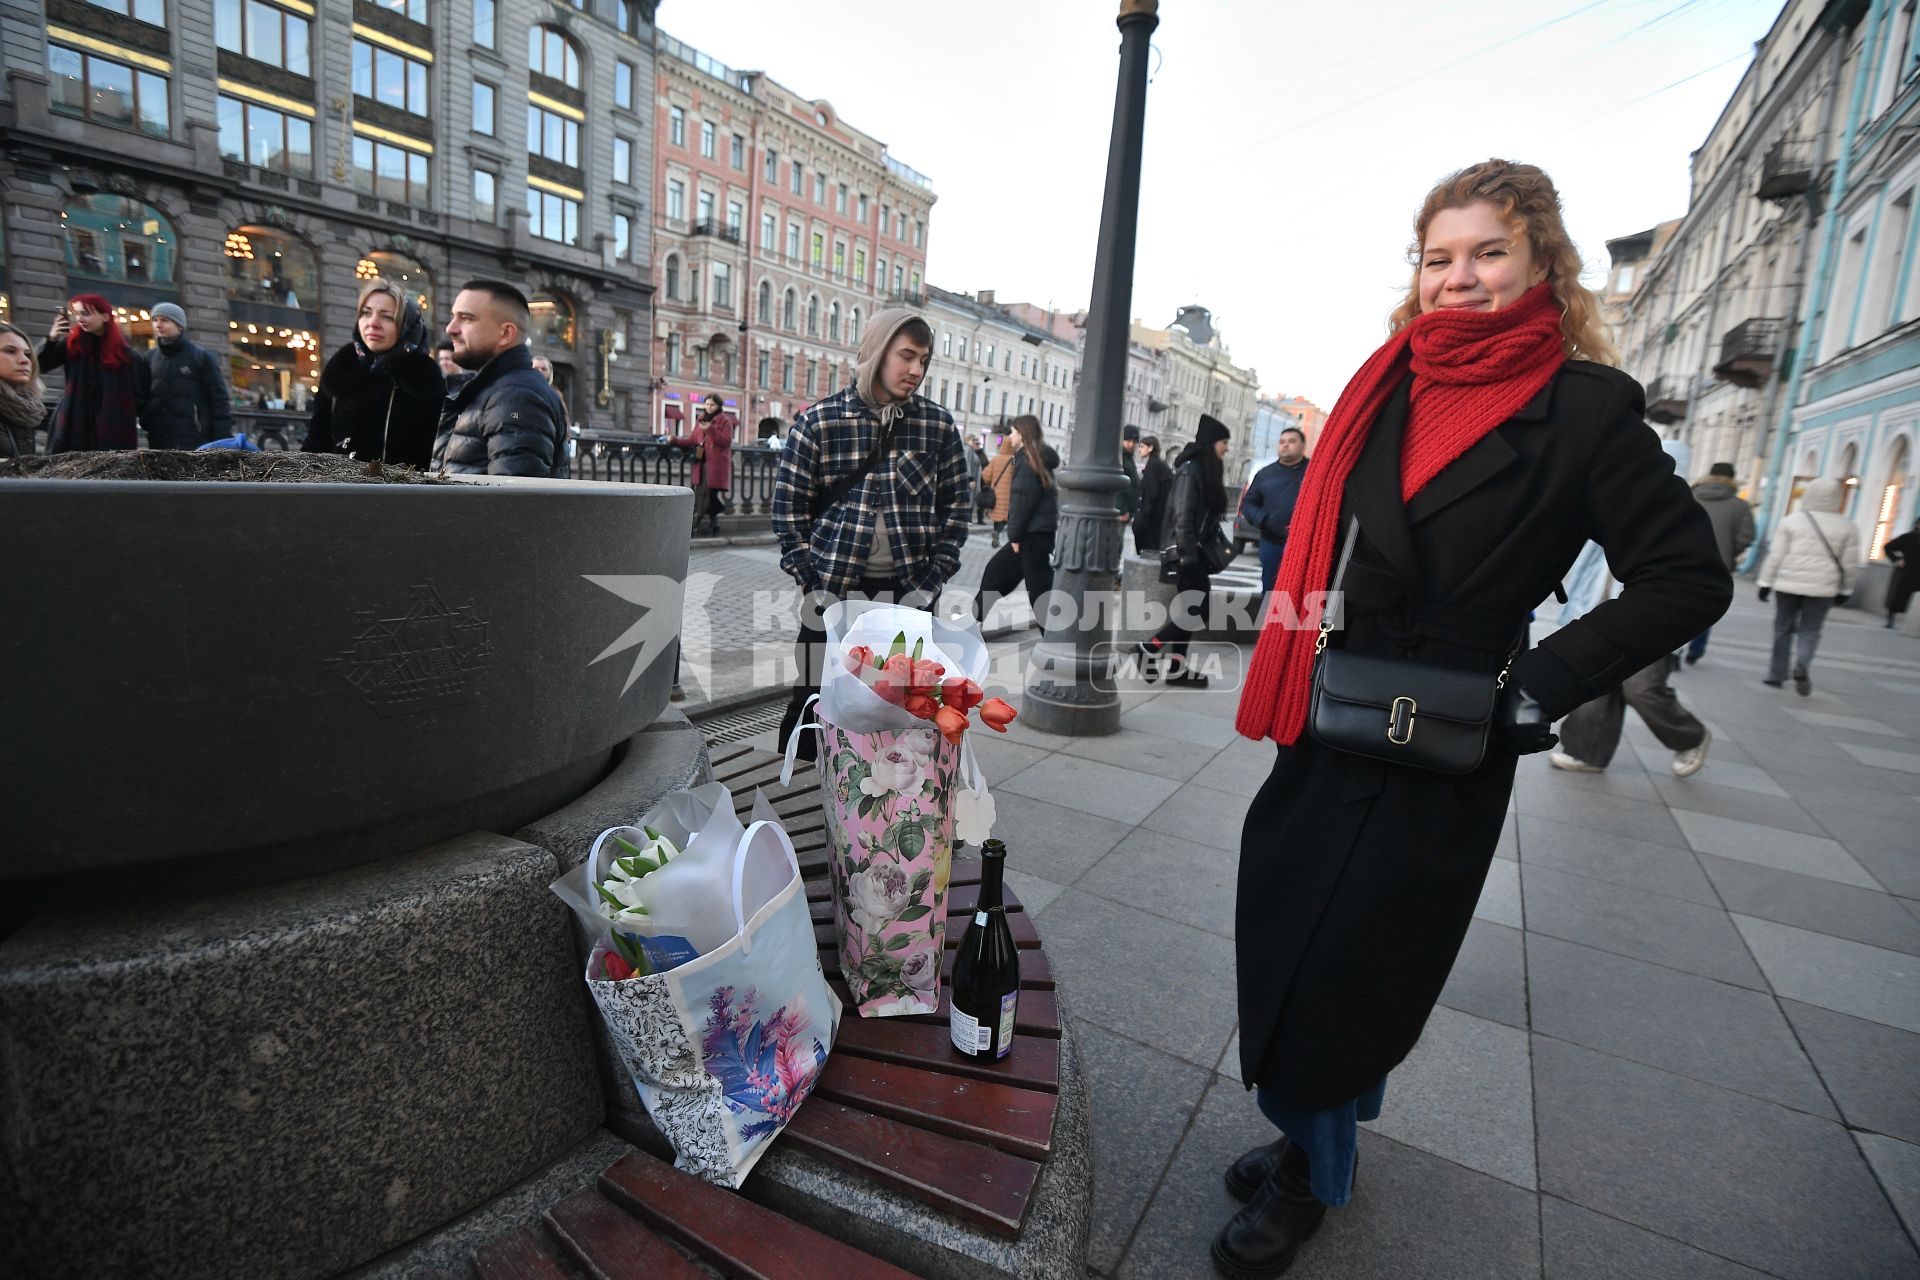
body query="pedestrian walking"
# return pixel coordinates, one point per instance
(712, 443)
(381, 394)
(1809, 568)
(188, 402)
(1198, 502)
(870, 500)
(106, 386)
(1156, 486)
(1268, 504)
(508, 420)
(23, 407)
(1128, 499)
(1904, 552)
(997, 478)
(1463, 468)
(1033, 515)
(1732, 529)
(976, 463)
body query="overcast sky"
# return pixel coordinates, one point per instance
(1288, 143)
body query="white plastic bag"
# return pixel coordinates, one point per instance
(847, 701)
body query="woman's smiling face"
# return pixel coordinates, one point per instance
(1475, 259)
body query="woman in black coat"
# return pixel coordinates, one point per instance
(1478, 450)
(1033, 514)
(381, 394)
(1156, 484)
(1194, 508)
(1904, 551)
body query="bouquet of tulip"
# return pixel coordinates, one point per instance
(623, 901)
(922, 688)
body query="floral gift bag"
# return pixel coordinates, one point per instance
(725, 1047)
(898, 786)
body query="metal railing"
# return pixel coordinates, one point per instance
(631, 459)
(1786, 170)
(1748, 351)
(1666, 400)
(714, 227)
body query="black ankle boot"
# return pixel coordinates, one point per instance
(1245, 1175)
(1261, 1240)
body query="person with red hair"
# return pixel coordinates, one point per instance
(106, 386)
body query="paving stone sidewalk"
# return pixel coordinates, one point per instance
(1682, 1038)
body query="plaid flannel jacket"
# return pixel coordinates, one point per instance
(922, 488)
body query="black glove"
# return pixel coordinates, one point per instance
(1764, 593)
(1520, 725)
(1843, 597)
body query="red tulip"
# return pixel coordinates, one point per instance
(926, 676)
(858, 659)
(618, 970)
(996, 714)
(919, 704)
(951, 722)
(960, 693)
(895, 682)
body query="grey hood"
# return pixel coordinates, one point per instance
(873, 348)
(1713, 491)
(1824, 494)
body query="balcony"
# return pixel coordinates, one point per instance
(1666, 400)
(1748, 352)
(720, 230)
(1787, 169)
(907, 298)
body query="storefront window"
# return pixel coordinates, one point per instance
(552, 321)
(403, 271)
(274, 354)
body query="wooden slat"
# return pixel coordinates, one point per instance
(1038, 1013)
(611, 1245)
(733, 1233)
(977, 1183)
(524, 1255)
(1024, 934)
(820, 888)
(1003, 1116)
(961, 900)
(1033, 1063)
(727, 758)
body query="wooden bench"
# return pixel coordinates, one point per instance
(896, 1105)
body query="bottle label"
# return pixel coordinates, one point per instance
(1008, 1003)
(970, 1035)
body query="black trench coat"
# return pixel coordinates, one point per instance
(1358, 880)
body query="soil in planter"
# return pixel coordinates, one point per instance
(214, 464)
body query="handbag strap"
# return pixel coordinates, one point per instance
(1831, 555)
(836, 492)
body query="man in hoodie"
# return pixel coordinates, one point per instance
(1810, 567)
(189, 403)
(1732, 529)
(871, 497)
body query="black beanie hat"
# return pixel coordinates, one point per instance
(1211, 430)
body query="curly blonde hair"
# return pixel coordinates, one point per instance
(1524, 193)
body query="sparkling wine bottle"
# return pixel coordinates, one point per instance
(986, 969)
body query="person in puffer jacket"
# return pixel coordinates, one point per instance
(1810, 567)
(507, 421)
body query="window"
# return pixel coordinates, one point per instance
(773, 166)
(899, 281)
(119, 239)
(707, 134)
(273, 291)
(763, 311)
(787, 313)
(819, 258)
(793, 242)
(813, 316)
(900, 226)
(389, 77)
(390, 172)
(553, 55)
(263, 33)
(853, 326)
(100, 89)
(786, 375)
(622, 237)
(811, 370)
(706, 207)
(623, 85)
(1882, 309)
(486, 185)
(264, 137)
(989, 353)
(886, 220)
(769, 232)
(880, 274)
(919, 235)
(860, 266)
(762, 370)
(795, 173)
(833, 322)
(673, 353)
(840, 258)
(676, 199)
(622, 160)
(946, 343)
(672, 278)
(553, 217)
(820, 189)
(700, 365)
(722, 276)
(485, 20)
(840, 199)
(737, 152)
(554, 136)
(483, 107)
(415, 9)
(677, 126)
(148, 11)
(626, 17)
(861, 215)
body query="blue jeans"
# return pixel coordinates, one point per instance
(1270, 554)
(1330, 1138)
(1698, 645)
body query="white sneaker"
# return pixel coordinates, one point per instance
(1687, 763)
(1561, 760)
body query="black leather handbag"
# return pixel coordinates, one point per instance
(1419, 715)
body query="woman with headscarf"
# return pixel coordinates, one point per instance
(106, 386)
(1194, 509)
(381, 394)
(21, 408)
(1460, 474)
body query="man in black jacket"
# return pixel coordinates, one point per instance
(188, 404)
(1268, 505)
(507, 421)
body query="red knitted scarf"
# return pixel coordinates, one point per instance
(1472, 370)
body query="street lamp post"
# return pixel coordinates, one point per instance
(1069, 689)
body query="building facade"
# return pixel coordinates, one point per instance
(1270, 418)
(1196, 378)
(256, 162)
(989, 367)
(780, 230)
